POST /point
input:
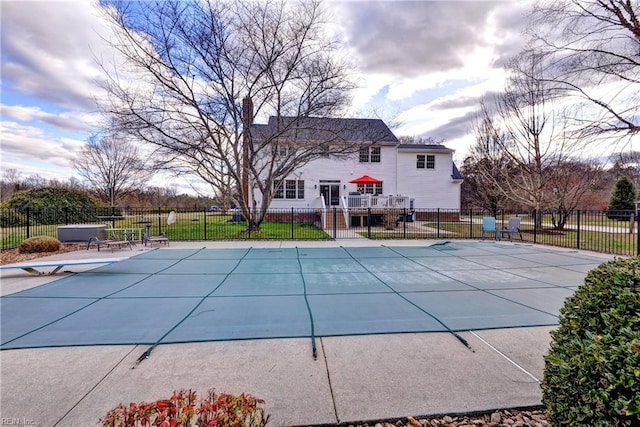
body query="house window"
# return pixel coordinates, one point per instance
(431, 161)
(364, 155)
(425, 161)
(369, 155)
(284, 150)
(277, 190)
(375, 154)
(289, 189)
(375, 189)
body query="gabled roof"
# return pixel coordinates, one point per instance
(325, 129)
(455, 174)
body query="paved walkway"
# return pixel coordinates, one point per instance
(354, 378)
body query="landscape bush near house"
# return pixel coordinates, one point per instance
(390, 218)
(39, 244)
(184, 409)
(592, 370)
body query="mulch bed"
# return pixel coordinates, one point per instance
(503, 418)
(11, 256)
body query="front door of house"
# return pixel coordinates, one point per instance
(330, 192)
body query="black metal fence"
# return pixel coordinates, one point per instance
(608, 232)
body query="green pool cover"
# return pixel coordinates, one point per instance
(179, 295)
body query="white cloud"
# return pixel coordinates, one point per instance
(65, 121)
(48, 51)
(33, 152)
(404, 49)
(32, 144)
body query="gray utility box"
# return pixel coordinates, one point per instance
(81, 232)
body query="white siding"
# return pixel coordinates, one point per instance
(431, 188)
(343, 170)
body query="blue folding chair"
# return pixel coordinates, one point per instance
(489, 226)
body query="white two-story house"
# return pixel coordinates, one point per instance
(380, 170)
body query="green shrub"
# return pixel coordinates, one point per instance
(592, 370)
(9, 217)
(54, 205)
(39, 244)
(184, 409)
(622, 202)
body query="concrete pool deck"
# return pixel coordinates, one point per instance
(354, 378)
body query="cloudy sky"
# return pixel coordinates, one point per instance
(422, 64)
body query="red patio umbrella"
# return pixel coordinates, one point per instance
(366, 179)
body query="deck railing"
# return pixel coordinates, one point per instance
(608, 232)
(365, 201)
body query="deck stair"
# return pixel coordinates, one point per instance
(340, 222)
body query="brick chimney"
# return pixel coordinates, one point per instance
(247, 121)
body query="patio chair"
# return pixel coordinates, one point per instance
(512, 227)
(155, 239)
(489, 226)
(109, 243)
(162, 238)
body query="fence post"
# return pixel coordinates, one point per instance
(578, 233)
(335, 226)
(292, 222)
(535, 226)
(159, 220)
(369, 223)
(438, 223)
(404, 223)
(113, 216)
(471, 223)
(28, 222)
(204, 212)
(638, 233)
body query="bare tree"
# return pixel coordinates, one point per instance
(594, 47)
(111, 166)
(626, 163)
(10, 182)
(483, 167)
(519, 139)
(421, 140)
(569, 181)
(192, 64)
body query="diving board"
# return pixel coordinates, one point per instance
(31, 267)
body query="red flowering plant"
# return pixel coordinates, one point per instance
(184, 410)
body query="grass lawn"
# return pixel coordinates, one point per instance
(597, 232)
(621, 242)
(188, 226)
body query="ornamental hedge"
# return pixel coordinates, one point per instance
(592, 370)
(54, 205)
